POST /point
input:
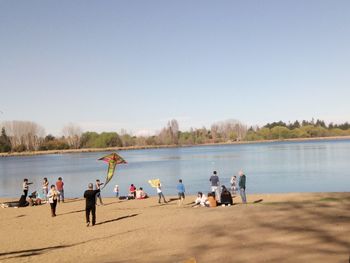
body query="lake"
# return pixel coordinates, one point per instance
(277, 167)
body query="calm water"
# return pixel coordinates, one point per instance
(272, 167)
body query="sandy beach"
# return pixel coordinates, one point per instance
(307, 227)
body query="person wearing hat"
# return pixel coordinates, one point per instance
(90, 207)
(241, 184)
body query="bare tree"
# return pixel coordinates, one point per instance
(229, 130)
(173, 128)
(24, 133)
(72, 134)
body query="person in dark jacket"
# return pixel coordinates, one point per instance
(241, 184)
(90, 207)
(226, 197)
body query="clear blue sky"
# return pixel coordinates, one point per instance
(108, 65)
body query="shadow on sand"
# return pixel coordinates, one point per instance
(116, 219)
(43, 250)
(306, 238)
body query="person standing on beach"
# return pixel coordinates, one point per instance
(181, 192)
(98, 186)
(90, 204)
(233, 185)
(132, 191)
(53, 195)
(242, 184)
(26, 187)
(160, 193)
(215, 183)
(116, 191)
(45, 187)
(59, 187)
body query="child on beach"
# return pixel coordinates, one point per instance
(26, 187)
(98, 195)
(181, 192)
(160, 194)
(211, 200)
(116, 190)
(233, 185)
(53, 196)
(59, 187)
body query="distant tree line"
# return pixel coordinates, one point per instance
(305, 129)
(19, 136)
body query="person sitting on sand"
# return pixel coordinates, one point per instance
(26, 187)
(140, 194)
(53, 197)
(211, 200)
(160, 193)
(23, 201)
(39, 198)
(201, 199)
(90, 204)
(226, 197)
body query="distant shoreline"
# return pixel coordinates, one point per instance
(109, 149)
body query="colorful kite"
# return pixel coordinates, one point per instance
(154, 182)
(112, 159)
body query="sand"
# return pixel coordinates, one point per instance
(277, 228)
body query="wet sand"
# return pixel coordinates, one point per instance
(308, 227)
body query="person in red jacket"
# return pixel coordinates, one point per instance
(59, 187)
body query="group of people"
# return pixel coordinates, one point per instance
(219, 194)
(135, 193)
(52, 196)
(222, 195)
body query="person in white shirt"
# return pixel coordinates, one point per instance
(160, 194)
(233, 185)
(116, 191)
(201, 199)
(26, 187)
(53, 197)
(140, 194)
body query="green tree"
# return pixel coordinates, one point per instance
(5, 143)
(280, 132)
